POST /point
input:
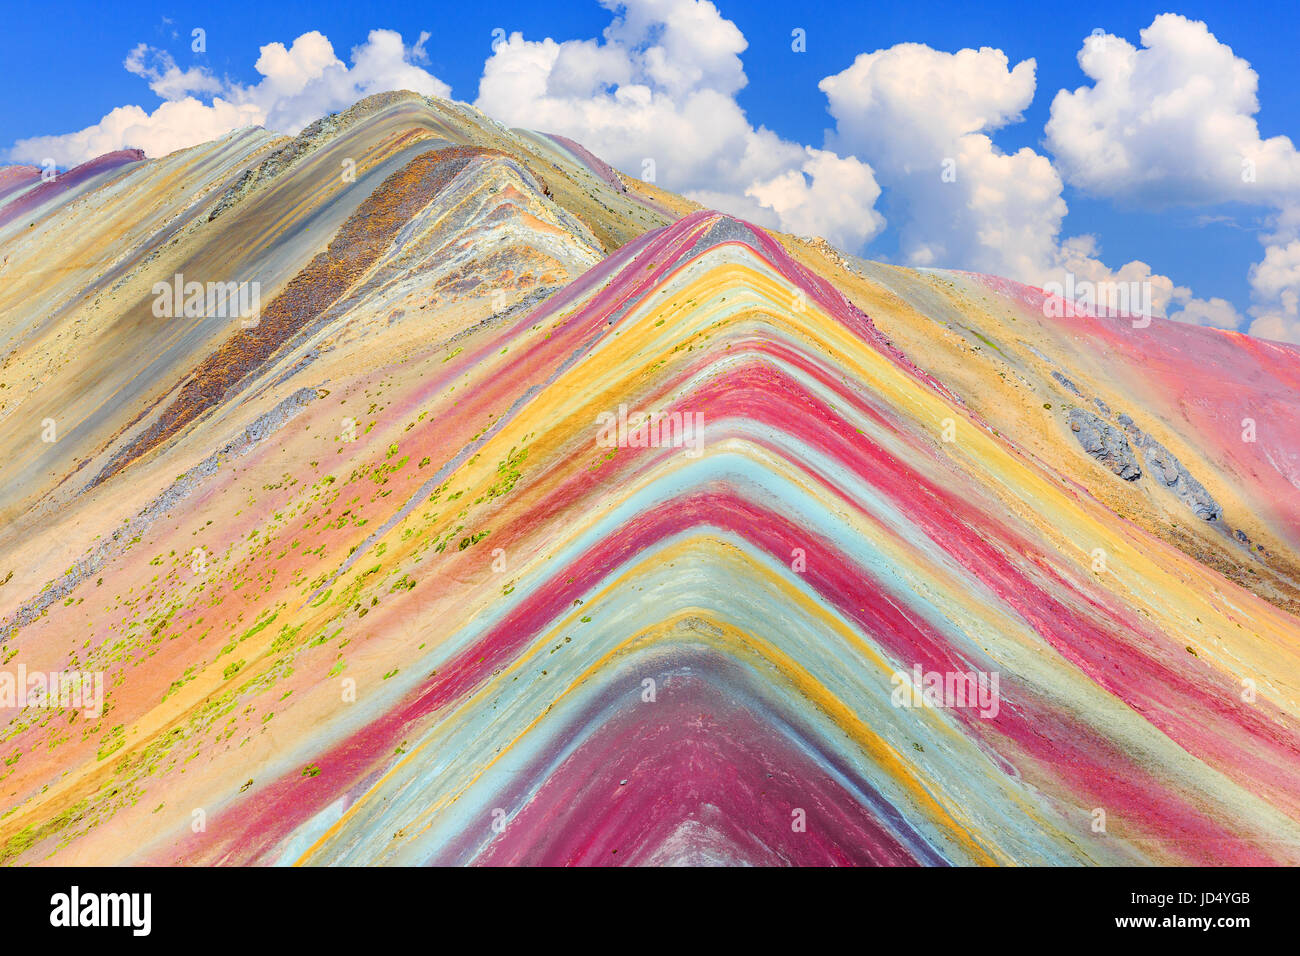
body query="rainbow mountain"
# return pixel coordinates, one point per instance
(420, 491)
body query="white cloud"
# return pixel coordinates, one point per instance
(680, 45)
(922, 118)
(1173, 123)
(828, 195)
(1279, 326)
(299, 84)
(923, 96)
(1079, 255)
(174, 125)
(1215, 312)
(167, 79)
(1275, 284)
(1170, 123)
(660, 85)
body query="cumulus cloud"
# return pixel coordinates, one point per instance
(922, 118)
(1080, 256)
(166, 78)
(1173, 123)
(657, 92)
(1215, 312)
(1275, 284)
(811, 200)
(299, 84)
(174, 125)
(927, 96)
(1170, 123)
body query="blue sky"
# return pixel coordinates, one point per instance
(66, 73)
